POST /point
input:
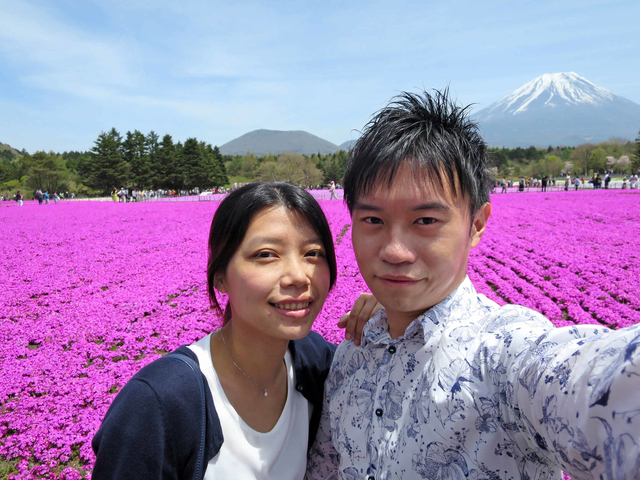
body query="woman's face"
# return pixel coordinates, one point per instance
(278, 279)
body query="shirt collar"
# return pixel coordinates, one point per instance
(459, 303)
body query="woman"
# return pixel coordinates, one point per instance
(271, 253)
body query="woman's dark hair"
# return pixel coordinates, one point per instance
(234, 214)
(430, 133)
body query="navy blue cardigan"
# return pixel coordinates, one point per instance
(151, 430)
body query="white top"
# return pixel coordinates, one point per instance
(250, 455)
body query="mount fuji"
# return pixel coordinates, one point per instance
(558, 109)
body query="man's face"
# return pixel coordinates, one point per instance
(412, 244)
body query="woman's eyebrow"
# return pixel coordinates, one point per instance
(280, 241)
(270, 240)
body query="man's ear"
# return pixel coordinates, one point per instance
(479, 223)
(219, 283)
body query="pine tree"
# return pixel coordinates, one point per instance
(108, 168)
(163, 168)
(136, 154)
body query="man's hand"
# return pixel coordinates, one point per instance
(353, 321)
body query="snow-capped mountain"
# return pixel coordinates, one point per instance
(558, 109)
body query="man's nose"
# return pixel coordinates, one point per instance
(396, 251)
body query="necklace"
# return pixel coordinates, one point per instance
(224, 342)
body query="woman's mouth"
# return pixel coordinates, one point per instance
(292, 306)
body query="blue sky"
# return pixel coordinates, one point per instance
(70, 69)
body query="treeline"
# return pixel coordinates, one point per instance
(137, 161)
(140, 161)
(305, 170)
(618, 156)
(145, 162)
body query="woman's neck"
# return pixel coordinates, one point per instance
(257, 356)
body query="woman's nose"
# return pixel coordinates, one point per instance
(295, 274)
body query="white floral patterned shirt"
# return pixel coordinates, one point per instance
(477, 391)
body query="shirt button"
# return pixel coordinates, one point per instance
(379, 412)
(299, 388)
(392, 349)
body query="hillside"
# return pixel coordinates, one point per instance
(558, 109)
(4, 146)
(262, 142)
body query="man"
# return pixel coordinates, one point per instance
(332, 189)
(447, 384)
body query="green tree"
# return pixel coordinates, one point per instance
(290, 167)
(215, 171)
(135, 153)
(635, 163)
(107, 168)
(581, 158)
(46, 171)
(8, 170)
(165, 174)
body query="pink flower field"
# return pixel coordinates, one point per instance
(93, 291)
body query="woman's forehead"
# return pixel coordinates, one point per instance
(279, 219)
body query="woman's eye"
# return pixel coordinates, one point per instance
(315, 253)
(264, 255)
(426, 221)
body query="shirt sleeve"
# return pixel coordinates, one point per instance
(131, 441)
(323, 459)
(572, 394)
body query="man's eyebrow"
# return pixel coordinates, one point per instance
(422, 206)
(367, 207)
(431, 206)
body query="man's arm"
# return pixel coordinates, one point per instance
(574, 393)
(323, 459)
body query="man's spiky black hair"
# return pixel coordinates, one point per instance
(431, 134)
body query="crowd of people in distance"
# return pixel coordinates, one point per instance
(42, 197)
(125, 195)
(566, 181)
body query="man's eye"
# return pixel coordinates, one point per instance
(426, 221)
(372, 220)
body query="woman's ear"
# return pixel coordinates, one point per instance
(219, 283)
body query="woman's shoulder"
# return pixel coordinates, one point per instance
(166, 383)
(312, 348)
(312, 357)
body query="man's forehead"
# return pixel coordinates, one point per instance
(412, 187)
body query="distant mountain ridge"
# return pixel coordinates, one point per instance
(262, 142)
(558, 109)
(4, 146)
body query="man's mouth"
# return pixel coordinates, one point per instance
(397, 279)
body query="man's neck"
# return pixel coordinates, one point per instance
(399, 322)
